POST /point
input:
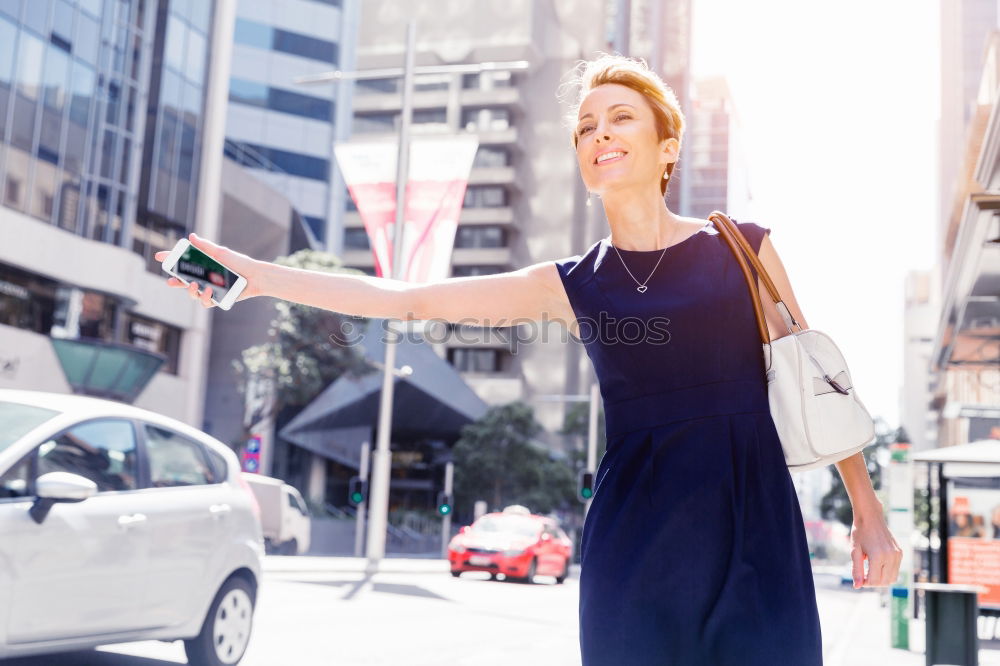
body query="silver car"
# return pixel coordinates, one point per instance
(119, 524)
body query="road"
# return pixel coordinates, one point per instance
(325, 612)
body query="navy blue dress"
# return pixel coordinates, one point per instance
(693, 551)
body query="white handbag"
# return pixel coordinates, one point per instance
(816, 410)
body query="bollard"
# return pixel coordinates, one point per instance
(951, 619)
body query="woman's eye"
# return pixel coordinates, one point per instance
(622, 115)
(584, 130)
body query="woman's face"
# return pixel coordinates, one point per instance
(614, 117)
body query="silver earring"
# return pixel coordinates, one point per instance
(589, 198)
(666, 175)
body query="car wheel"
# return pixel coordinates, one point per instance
(493, 575)
(226, 630)
(562, 577)
(290, 547)
(455, 573)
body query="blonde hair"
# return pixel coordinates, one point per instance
(635, 74)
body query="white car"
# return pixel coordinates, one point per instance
(118, 524)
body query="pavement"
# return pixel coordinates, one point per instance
(324, 611)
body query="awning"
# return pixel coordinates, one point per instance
(106, 369)
(980, 458)
(433, 402)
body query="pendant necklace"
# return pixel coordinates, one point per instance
(642, 285)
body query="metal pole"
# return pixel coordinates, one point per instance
(359, 524)
(449, 471)
(381, 467)
(595, 395)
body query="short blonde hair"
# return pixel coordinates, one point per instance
(635, 74)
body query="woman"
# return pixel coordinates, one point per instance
(665, 316)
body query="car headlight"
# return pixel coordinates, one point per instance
(511, 553)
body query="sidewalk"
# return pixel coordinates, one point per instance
(856, 632)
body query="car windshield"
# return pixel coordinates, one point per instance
(17, 419)
(507, 525)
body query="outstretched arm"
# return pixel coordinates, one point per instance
(531, 293)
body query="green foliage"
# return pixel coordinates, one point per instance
(496, 460)
(836, 504)
(577, 423)
(309, 347)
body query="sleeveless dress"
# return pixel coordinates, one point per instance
(693, 551)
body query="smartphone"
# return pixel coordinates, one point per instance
(189, 264)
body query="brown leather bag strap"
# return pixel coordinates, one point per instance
(740, 247)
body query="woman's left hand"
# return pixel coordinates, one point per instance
(872, 539)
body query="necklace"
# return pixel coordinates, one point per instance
(642, 285)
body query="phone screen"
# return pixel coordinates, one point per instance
(196, 266)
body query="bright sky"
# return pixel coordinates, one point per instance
(838, 103)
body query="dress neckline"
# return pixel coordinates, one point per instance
(607, 241)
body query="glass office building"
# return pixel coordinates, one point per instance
(285, 131)
(102, 104)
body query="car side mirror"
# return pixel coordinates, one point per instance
(59, 487)
(463, 529)
(546, 536)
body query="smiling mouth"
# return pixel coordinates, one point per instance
(613, 159)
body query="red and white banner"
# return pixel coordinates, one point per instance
(439, 172)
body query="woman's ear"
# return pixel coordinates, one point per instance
(670, 150)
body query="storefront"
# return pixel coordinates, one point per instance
(958, 515)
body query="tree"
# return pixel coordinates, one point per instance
(496, 459)
(836, 504)
(577, 423)
(308, 347)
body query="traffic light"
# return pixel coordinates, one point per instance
(357, 491)
(444, 505)
(585, 487)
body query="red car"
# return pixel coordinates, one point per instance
(514, 542)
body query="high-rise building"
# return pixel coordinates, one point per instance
(716, 168)
(104, 106)
(920, 318)
(965, 29)
(659, 32)
(525, 201)
(282, 130)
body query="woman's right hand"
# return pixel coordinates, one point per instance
(246, 266)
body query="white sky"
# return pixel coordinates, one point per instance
(838, 103)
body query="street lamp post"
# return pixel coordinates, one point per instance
(381, 458)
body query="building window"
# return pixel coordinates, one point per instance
(485, 196)
(317, 225)
(27, 300)
(373, 123)
(485, 119)
(427, 116)
(390, 85)
(262, 36)
(465, 359)
(38, 304)
(154, 336)
(491, 156)
(276, 99)
(487, 80)
(485, 236)
(295, 164)
(356, 239)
